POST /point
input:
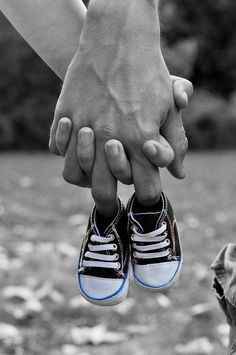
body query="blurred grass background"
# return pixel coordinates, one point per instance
(42, 221)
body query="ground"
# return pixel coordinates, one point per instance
(42, 221)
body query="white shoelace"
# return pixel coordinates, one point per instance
(159, 240)
(99, 259)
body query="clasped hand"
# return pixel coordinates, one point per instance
(121, 90)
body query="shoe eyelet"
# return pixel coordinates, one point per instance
(135, 254)
(116, 256)
(112, 237)
(114, 246)
(118, 266)
(132, 237)
(167, 241)
(164, 223)
(169, 257)
(169, 250)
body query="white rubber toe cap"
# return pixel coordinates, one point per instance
(157, 275)
(99, 289)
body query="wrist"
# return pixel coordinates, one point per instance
(133, 21)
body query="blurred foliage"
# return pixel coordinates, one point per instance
(199, 42)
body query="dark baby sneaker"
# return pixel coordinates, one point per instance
(104, 260)
(155, 245)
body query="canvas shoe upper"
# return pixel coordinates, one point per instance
(104, 259)
(155, 246)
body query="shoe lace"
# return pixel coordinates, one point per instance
(98, 258)
(156, 240)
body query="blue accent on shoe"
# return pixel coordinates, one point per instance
(162, 286)
(104, 298)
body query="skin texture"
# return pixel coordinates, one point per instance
(128, 98)
(46, 26)
(115, 154)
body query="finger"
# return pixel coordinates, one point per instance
(72, 173)
(183, 90)
(174, 133)
(52, 141)
(104, 185)
(159, 152)
(86, 150)
(63, 135)
(146, 179)
(118, 162)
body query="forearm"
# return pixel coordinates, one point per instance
(134, 22)
(51, 27)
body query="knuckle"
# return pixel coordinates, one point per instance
(102, 195)
(104, 132)
(142, 135)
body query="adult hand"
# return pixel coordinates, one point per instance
(118, 85)
(118, 164)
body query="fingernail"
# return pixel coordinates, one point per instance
(85, 136)
(185, 96)
(151, 149)
(113, 149)
(63, 126)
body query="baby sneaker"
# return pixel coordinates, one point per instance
(104, 260)
(155, 245)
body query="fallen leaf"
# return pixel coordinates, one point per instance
(200, 346)
(201, 310)
(7, 263)
(124, 307)
(9, 335)
(47, 291)
(25, 248)
(78, 302)
(182, 318)
(224, 330)
(163, 301)
(96, 335)
(25, 303)
(17, 293)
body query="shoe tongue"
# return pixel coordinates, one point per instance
(149, 221)
(103, 224)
